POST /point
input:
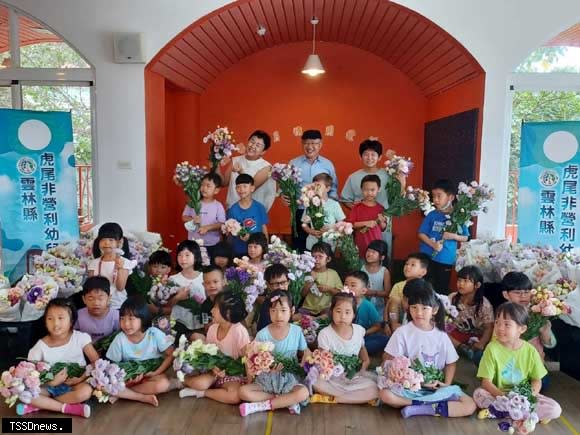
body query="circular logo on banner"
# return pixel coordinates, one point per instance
(549, 178)
(26, 166)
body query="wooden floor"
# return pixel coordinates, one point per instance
(203, 416)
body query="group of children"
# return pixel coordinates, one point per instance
(366, 314)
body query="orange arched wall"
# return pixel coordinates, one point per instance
(359, 92)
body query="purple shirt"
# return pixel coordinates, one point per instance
(95, 327)
(211, 213)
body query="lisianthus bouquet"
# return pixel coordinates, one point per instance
(259, 357)
(288, 178)
(518, 406)
(234, 228)
(398, 169)
(544, 306)
(64, 266)
(10, 299)
(397, 375)
(39, 290)
(429, 372)
(188, 177)
(21, 382)
(165, 324)
(299, 265)
(102, 344)
(162, 290)
(351, 364)
(107, 379)
(221, 145)
(320, 365)
(342, 233)
(199, 357)
(142, 246)
(73, 370)
(311, 326)
(135, 368)
(313, 202)
(246, 281)
(471, 200)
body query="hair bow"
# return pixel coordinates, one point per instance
(347, 290)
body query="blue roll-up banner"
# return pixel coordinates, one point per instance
(548, 186)
(38, 206)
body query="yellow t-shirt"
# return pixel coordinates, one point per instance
(317, 304)
(397, 290)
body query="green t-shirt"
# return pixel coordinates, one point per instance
(317, 304)
(507, 368)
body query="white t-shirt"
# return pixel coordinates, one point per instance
(71, 352)
(264, 194)
(432, 348)
(107, 269)
(329, 340)
(196, 291)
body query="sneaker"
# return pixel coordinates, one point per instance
(294, 409)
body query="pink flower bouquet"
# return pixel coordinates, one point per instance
(288, 179)
(320, 365)
(311, 199)
(397, 375)
(543, 307)
(259, 358)
(21, 382)
(234, 228)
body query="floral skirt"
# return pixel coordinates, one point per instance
(278, 383)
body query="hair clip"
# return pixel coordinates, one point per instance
(274, 298)
(347, 290)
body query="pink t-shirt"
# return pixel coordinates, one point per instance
(361, 212)
(234, 341)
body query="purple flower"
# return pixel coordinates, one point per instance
(34, 294)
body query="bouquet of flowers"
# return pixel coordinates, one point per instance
(198, 357)
(21, 382)
(142, 245)
(165, 324)
(299, 265)
(135, 368)
(288, 178)
(518, 406)
(543, 307)
(103, 343)
(64, 266)
(107, 379)
(162, 290)
(429, 373)
(398, 168)
(311, 199)
(320, 365)
(39, 290)
(246, 281)
(350, 364)
(259, 357)
(188, 177)
(311, 326)
(342, 233)
(397, 375)
(47, 374)
(221, 145)
(10, 299)
(470, 203)
(234, 228)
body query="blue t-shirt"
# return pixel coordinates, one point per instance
(287, 347)
(251, 218)
(433, 226)
(152, 346)
(367, 314)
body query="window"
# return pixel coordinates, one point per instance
(552, 59)
(5, 97)
(41, 48)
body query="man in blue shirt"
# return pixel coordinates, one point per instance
(310, 165)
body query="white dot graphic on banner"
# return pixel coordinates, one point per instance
(34, 134)
(560, 146)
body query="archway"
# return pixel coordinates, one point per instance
(390, 71)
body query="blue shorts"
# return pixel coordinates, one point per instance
(59, 390)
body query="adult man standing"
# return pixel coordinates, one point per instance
(311, 163)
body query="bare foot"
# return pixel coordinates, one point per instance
(151, 399)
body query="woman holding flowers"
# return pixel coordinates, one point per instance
(253, 164)
(231, 337)
(342, 337)
(63, 393)
(272, 387)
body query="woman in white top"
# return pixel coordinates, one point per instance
(253, 164)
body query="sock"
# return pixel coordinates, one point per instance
(294, 409)
(322, 398)
(174, 384)
(435, 408)
(250, 408)
(78, 409)
(23, 409)
(189, 392)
